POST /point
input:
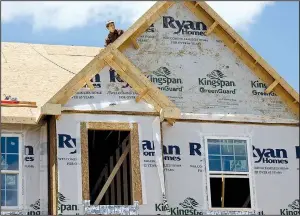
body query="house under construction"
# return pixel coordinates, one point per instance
(189, 120)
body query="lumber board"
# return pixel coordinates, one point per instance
(271, 87)
(135, 84)
(112, 183)
(211, 28)
(124, 180)
(162, 100)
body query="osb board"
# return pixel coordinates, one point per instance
(18, 115)
(200, 73)
(134, 149)
(28, 76)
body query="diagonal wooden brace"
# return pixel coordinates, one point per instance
(271, 87)
(142, 94)
(112, 175)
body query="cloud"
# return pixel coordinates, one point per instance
(67, 15)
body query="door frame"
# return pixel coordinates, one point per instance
(134, 151)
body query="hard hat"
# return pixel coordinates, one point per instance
(109, 22)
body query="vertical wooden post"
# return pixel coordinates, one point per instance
(53, 177)
(125, 174)
(223, 191)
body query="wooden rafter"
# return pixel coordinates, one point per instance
(140, 96)
(90, 84)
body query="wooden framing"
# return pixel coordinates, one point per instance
(113, 56)
(134, 150)
(53, 171)
(272, 86)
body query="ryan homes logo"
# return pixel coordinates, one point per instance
(62, 206)
(29, 157)
(96, 81)
(293, 208)
(270, 156)
(163, 78)
(298, 152)
(65, 141)
(216, 80)
(115, 78)
(184, 27)
(189, 207)
(171, 152)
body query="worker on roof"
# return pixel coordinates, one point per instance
(113, 33)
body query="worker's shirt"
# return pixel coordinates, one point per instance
(112, 36)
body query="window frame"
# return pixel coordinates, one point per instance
(230, 174)
(19, 172)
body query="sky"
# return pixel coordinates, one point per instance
(271, 28)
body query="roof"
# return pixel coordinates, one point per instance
(81, 61)
(29, 73)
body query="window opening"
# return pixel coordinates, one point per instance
(228, 173)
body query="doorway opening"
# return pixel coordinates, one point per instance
(230, 192)
(109, 167)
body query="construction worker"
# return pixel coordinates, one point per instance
(113, 33)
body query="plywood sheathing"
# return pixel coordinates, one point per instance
(246, 53)
(18, 115)
(135, 156)
(34, 72)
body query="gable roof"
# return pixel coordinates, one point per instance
(112, 55)
(216, 24)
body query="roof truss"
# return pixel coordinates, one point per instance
(112, 56)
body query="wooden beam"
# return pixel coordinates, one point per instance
(141, 25)
(112, 175)
(211, 28)
(125, 175)
(53, 172)
(156, 94)
(223, 191)
(141, 95)
(90, 84)
(79, 80)
(271, 87)
(133, 82)
(111, 184)
(51, 109)
(101, 176)
(118, 176)
(134, 43)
